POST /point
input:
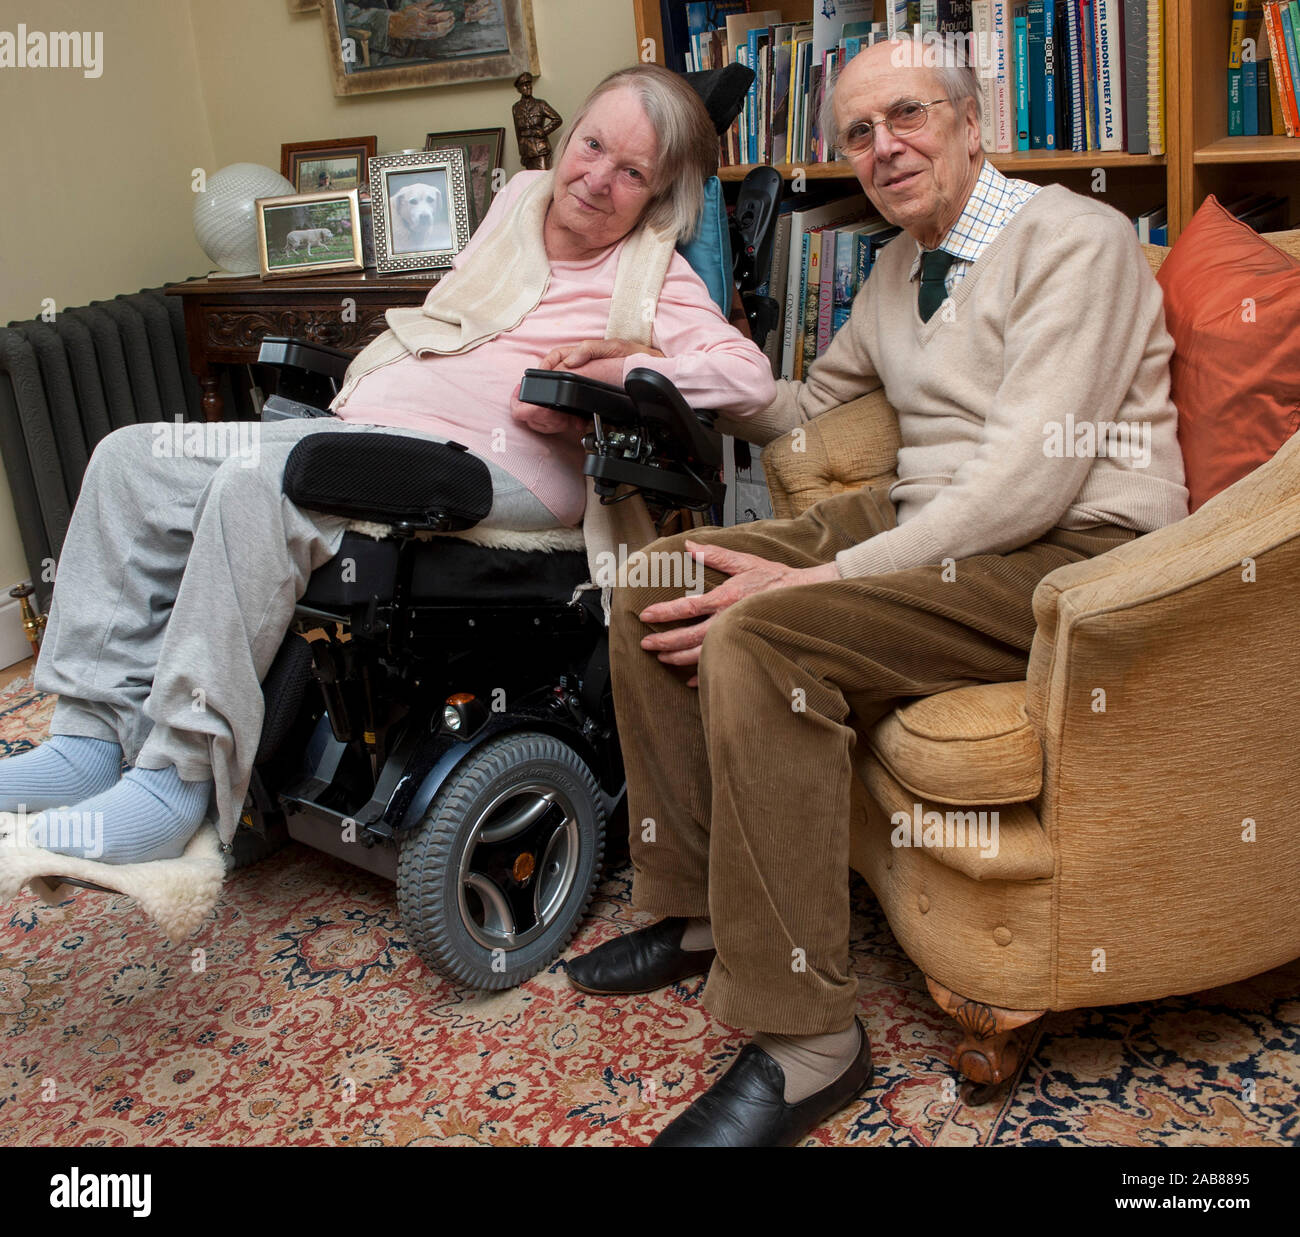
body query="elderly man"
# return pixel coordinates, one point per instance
(1006, 312)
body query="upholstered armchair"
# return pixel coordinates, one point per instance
(1145, 773)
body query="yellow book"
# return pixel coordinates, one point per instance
(1236, 32)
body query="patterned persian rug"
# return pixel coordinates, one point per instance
(310, 1021)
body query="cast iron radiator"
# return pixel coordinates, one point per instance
(65, 384)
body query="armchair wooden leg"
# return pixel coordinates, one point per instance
(994, 1040)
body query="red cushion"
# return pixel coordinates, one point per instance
(1235, 372)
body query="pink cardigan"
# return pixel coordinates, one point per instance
(467, 396)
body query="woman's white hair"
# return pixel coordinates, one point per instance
(688, 143)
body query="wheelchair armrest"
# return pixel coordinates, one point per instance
(584, 397)
(411, 483)
(302, 354)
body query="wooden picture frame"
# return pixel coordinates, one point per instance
(304, 6)
(420, 209)
(289, 227)
(297, 160)
(483, 149)
(491, 39)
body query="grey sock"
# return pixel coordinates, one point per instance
(698, 935)
(811, 1062)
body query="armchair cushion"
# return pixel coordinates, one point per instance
(970, 745)
(853, 445)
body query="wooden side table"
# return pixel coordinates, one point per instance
(226, 319)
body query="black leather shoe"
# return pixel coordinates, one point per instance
(641, 961)
(746, 1107)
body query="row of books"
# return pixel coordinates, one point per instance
(1073, 75)
(1264, 69)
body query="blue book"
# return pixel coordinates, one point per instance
(1034, 71)
(757, 39)
(1022, 83)
(1096, 77)
(1249, 98)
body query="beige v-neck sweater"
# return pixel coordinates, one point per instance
(1027, 402)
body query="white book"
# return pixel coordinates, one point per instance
(1110, 75)
(1003, 86)
(982, 25)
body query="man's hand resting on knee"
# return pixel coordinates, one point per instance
(749, 574)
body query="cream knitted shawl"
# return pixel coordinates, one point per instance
(504, 281)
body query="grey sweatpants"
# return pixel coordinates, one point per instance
(175, 587)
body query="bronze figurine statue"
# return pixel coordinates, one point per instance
(534, 120)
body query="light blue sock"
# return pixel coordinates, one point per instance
(150, 814)
(66, 768)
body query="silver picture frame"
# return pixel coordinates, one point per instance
(421, 218)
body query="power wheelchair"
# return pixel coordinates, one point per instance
(450, 727)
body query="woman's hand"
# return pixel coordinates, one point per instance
(601, 359)
(749, 574)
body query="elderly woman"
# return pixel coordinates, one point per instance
(179, 575)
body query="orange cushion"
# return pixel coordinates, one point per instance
(1232, 304)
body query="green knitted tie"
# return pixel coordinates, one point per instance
(934, 268)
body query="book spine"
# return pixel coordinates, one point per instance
(1288, 35)
(1078, 133)
(982, 15)
(1110, 76)
(1135, 76)
(1051, 139)
(808, 336)
(1156, 76)
(826, 293)
(1281, 67)
(1249, 96)
(1032, 72)
(1002, 83)
(1236, 30)
(1021, 59)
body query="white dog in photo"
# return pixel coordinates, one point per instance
(309, 237)
(418, 220)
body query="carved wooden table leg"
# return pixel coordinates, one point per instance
(213, 404)
(994, 1039)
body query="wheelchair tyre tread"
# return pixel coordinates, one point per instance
(430, 856)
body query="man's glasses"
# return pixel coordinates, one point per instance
(901, 119)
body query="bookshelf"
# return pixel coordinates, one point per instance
(1213, 162)
(1200, 158)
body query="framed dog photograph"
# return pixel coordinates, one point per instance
(334, 163)
(482, 149)
(309, 233)
(383, 45)
(421, 208)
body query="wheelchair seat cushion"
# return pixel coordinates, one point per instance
(389, 477)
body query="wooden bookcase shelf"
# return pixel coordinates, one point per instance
(1199, 157)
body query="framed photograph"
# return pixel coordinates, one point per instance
(309, 233)
(421, 209)
(374, 45)
(335, 163)
(482, 149)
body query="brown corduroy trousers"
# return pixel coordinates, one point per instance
(738, 792)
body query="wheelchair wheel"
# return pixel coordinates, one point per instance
(495, 879)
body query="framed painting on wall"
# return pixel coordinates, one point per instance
(373, 46)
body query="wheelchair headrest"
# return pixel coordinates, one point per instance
(723, 91)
